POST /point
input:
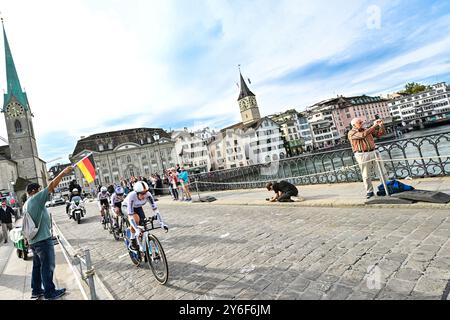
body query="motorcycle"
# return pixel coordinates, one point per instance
(77, 209)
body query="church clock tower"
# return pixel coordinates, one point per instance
(19, 125)
(247, 104)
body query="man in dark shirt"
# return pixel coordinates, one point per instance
(6, 213)
(283, 191)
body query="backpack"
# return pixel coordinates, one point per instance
(29, 228)
(394, 187)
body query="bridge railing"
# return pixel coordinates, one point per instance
(424, 156)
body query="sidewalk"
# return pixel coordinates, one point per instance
(325, 195)
(15, 275)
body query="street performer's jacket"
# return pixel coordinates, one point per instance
(362, 140)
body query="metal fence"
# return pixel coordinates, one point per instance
(79, 260)
(425, 156)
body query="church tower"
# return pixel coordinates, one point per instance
(19, 125)
(247, 104)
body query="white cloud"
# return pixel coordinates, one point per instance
(85, 63)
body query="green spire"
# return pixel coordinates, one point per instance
(14, 89)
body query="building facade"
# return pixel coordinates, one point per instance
(55, 170)
(124, 154)
(422, 108)
(192, 151)
(330, 120)
(255, 140)
(289, 122)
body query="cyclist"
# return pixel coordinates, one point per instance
(134, 203)
(103, 202)
(116, 203)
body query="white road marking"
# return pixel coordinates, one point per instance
(203, 222)
(224, 236)
(248, 269)
(123, 256)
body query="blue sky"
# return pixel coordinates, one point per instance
(92, 66)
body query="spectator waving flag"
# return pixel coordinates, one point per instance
(87, 167)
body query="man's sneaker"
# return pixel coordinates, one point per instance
(37, 296)
(370, 195)
(57, 294)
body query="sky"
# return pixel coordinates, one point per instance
(92, 66)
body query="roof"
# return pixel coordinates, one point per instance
(252, 125)
(347, 101)
(245, 91)
(14, 88)
(118, 138)
(5, 153)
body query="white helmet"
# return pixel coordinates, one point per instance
(104, 189)
(140, 187)
(75, 191)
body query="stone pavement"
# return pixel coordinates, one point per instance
(266, 252)
(326, 195)
(15, 275)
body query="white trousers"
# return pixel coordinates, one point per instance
(369, 168)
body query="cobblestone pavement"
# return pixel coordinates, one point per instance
(232, 252)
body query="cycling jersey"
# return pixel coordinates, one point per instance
(115, 199)
(103, 199)
(132, 201)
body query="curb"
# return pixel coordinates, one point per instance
(434, 206)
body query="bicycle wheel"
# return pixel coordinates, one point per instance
(156, 259)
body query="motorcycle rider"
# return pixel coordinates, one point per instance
(74, 196)
(133, 204)
(103, 202)
(116, 202)
(72, 186)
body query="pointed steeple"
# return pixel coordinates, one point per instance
(245, 91)
(14, 89)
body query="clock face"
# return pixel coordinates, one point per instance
(14, 109)
(243, 104)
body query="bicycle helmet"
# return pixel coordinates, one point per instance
(104, 189)
(120, 191)
(75, 191)
(140, 187)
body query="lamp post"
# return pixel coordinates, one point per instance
(156, 137)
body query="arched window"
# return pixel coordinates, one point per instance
(18, 126)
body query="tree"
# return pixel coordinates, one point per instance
(413, 88)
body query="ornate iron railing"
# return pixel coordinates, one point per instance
(425, 156)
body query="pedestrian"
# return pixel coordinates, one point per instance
(175, 183)
(366, 153)
(184, 179)
(42, 244)
(6, 213)
(284, 191)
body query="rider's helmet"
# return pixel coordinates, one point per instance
(140, 187)
(120, 191)
(75, 191)
(104, 190)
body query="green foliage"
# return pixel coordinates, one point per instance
(414, 87)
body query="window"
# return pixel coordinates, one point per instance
(100, 147)
(18, 126)
(129, 160)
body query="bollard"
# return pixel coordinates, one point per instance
(198, 192)
(90, 274)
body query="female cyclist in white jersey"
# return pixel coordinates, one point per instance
(133, 204)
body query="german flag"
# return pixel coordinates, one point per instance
(87, 167)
